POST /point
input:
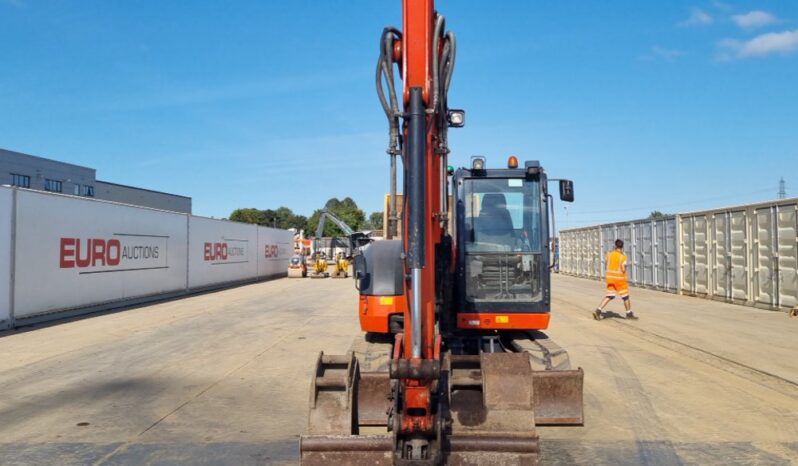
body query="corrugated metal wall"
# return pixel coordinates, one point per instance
(744, 254)
(650, 245)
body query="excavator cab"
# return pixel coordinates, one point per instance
(501, 232)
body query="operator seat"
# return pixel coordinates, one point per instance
(494, 224)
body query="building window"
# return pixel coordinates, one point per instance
(88, 190)
(76, 190)
(52, 185)
(23, 181)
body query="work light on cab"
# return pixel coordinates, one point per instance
(477, 163)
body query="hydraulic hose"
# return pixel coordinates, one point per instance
(391, 107)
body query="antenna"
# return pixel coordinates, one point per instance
(782, 189)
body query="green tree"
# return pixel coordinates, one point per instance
(657, 215)
(282, 217)
(346, 209)
(247, 215)
(375, 219)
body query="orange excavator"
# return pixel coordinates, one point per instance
(469, 374)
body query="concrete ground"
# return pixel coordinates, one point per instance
(222, 378)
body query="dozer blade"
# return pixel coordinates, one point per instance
(342, 401)
(295, 273)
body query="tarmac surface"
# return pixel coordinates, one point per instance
(222, 378)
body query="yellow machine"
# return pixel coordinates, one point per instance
(341, 267)
(319, 269)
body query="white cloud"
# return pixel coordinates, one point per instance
(722, 6)
(666, 53)
(764, 44)
(754, 19)
(698, 17)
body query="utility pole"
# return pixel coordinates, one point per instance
(782, 189)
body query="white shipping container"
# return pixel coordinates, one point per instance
(221, 252)
(73, 252)
(745, 254)
(6, 212)
(650, 246)
(275, 248)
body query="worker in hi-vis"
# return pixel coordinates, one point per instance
(616, 281)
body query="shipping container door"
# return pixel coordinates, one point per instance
(645, 244)
(719, 254)
(634, 252)
(688, 255)
(738, 255)
(586, 253)
(567, 252)
(701, 236)
(788, 255)
(626, 234)
(572, 252)
(764, 253)
(671, 255)
(595, 252)
(660, 254)
(608, 236)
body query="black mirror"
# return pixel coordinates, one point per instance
(567, 190)
(359, 267)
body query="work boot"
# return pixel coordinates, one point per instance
(631, 315)
(597, 314)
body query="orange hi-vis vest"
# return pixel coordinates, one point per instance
(615, 266)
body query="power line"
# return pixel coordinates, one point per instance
(666, 206)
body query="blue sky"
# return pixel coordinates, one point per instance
(674, 106)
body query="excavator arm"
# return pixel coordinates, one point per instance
(327, 214)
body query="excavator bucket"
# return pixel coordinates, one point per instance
(494, 401)
(491, 401)
(344, 405)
